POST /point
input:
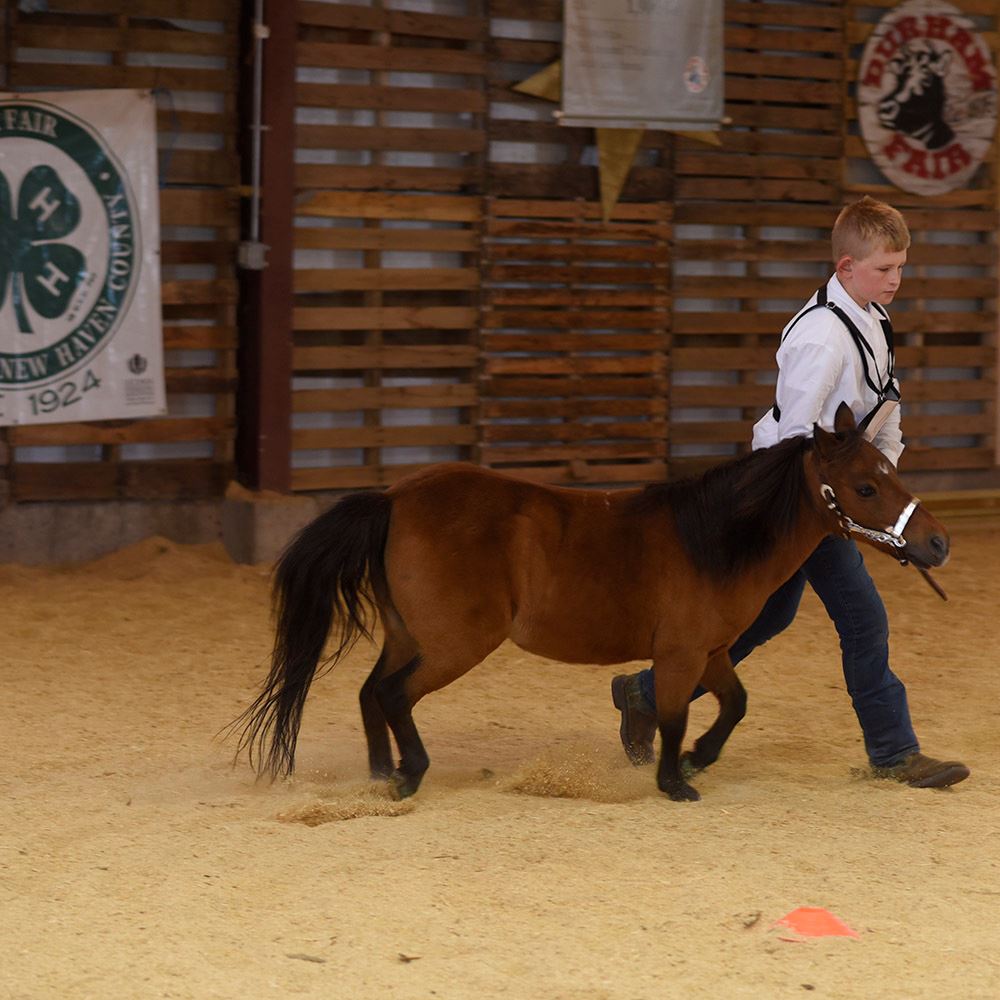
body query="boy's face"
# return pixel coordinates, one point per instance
(874, 278)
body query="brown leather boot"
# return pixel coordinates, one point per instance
(638, 726)
(924, 772)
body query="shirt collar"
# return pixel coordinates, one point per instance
(835, 291)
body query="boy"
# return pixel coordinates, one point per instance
(837, 347)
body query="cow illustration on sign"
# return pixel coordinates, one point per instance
(927, 97)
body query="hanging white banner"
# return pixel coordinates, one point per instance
(643, 64)
(80, 320)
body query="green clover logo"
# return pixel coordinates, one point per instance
(39, 267)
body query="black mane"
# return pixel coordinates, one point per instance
(733, 516)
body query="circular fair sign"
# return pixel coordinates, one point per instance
(68, 244)
(927, 97)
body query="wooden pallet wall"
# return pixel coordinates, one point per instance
(752, 219)
(575, 337)
(576, 313)
(945, 313)
(390, 153)
(188, 53)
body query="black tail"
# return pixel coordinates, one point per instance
(319, 583)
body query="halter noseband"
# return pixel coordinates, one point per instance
(891, 536)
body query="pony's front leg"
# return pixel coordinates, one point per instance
(676, 674)
(721, 680)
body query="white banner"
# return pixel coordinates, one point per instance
(654, 64)
(80, 320)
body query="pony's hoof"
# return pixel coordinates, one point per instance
(402, 786)
(681, 791)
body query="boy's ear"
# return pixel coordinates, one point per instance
(845, 265)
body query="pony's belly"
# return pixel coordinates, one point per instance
(568, 645)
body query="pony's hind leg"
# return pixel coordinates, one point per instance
(398, 692)
(721, 680)
(397, 650)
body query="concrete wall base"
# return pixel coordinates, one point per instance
(256, 526)
(35, 534)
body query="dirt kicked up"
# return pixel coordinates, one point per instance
(534, 862)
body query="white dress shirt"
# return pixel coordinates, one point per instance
(819, 367)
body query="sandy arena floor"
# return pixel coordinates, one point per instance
(534, 863)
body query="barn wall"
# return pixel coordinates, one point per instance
(455, 293)
(188, 53)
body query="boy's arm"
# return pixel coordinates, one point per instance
(807, 375)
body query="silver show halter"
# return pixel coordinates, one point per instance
(892, 535)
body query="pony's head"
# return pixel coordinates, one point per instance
(863, 496)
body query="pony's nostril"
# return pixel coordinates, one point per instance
(939, 545)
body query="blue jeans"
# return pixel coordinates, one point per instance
(837, 573)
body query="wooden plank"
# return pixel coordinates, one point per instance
(776, 39)
(578, 297)
(383, 397)
(755, 189)
(188, 291)
(711, 432)
(77, 76)
(197, 207)
(385, 279)
(443, 100)
(210, 10)
(524, 208)
(347, 358)
(565, 342)
(571, 409)
(178, 479)
(199, 338)
(429, 435)
(492, 454)
(81, 38)
(350, 477)
(153, 431)
(391, 60)
(577, 252)
(657, 274)
(443, 240)
(355, 205)
(574, 431)
(784, 15)
(431, 140)
(384, 318)
(386, 178)
(582, 364)
(593, 319)
(603, 386)
(397, 22)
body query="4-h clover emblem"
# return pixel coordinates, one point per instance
(69, 248)
(31, 258)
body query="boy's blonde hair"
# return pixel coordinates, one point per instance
(867, 226)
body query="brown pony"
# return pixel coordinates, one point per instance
(456, 559)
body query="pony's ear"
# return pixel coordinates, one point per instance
(843, 421)
(825, 442)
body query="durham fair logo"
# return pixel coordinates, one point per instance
(67, 245)
(927, 97)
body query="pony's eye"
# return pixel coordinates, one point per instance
(867, 490)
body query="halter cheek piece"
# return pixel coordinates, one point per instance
(891, 536)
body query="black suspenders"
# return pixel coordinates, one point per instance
(864, 348)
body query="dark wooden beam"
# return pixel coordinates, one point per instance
(263, 442)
